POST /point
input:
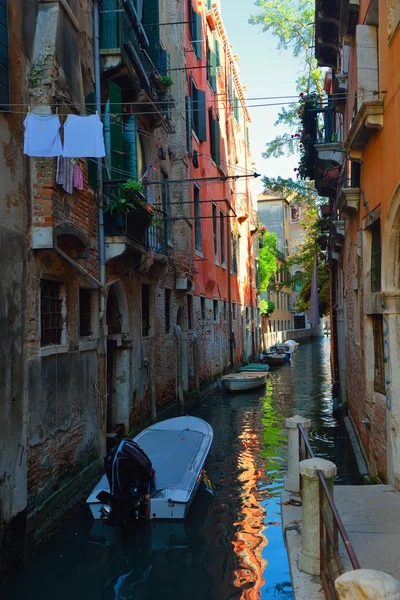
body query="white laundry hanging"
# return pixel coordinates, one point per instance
(83, 137)
(42, 135)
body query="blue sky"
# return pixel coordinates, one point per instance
(266, 72)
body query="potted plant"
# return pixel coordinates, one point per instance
(164, 83)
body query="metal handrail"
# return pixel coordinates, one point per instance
(330, 526)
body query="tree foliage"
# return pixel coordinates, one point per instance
(267, 257)
(291, 22)
(266, 307)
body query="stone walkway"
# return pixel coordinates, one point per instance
(371, 517)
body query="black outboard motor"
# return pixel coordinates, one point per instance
(131, 477)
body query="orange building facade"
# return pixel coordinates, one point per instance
(355, 164)
(221, 193)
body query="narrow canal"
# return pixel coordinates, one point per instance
(231, 545)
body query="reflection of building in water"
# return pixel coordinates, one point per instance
(249, 541)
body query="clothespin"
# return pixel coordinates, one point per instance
(56, 110)
(29, 108)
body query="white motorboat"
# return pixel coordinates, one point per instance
(292, 344)
(156, 475)
(241, 382)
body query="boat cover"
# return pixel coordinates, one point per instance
(255, 367)
(178, 448)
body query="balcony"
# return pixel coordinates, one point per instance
(325, 152)
(349, 190)
(368, 120)
(135, 64)
(327, 32)
(123, 40)
(136, 231)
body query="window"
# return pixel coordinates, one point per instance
(225, 310)
(236, 108)
(215, 309)
(4, 58)
(195, 31)
(379, 370)
(215, 231)
(294, 214)
(298, 281)
(222, 236)
(167, 310)
(189, 299)
(234, 311)
(203, 307)
(197, 219)
(247, 315)
(376, 257)
(234, 253)
(166, 206)
(208, 62)
(145, 310)
(50, 312)
(215, 137)
(274, 325)
(198, 108)
(85, 312)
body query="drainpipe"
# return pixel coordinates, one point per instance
(228, 270)
(103, 354)
(96, 31)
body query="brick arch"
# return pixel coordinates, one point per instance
(391, 245)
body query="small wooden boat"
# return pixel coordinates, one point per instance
(241, 382)
(156, 475)
(274, 358)
(254, 368)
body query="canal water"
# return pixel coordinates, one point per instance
(231, 545)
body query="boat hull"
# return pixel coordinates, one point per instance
(277, 359)
(242, 382)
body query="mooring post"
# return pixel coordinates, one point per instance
(309, 555)
(292, 479)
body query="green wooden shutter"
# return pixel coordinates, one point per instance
(213, 78)
(217, 54)
(198, 43)
(4, 58)
(164, 62)
(217, 142)
(130, 147)
(92, 163)
(230, 90)
(151, 16)
(116, 131)
(237, 107)
(200, 116)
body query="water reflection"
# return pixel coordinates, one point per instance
(231, 545)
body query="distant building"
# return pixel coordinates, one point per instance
(283, 219)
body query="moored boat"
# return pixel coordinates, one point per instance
(274, 358)
(241, 382)
(292, 344)
(254, 367)
(156, 475)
